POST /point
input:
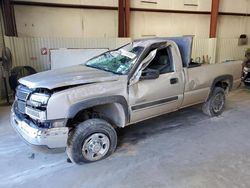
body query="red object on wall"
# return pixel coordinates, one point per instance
(33, 58)
(44, 51)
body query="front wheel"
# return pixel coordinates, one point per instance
(92, 140)
(216, 103)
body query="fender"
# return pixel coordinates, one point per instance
(74, 109)
(219, 79)
(223, 78)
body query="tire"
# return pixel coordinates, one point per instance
(216, 98)
(91, 140)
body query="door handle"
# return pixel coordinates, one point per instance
(173, 80)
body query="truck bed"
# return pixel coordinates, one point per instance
(200, 79)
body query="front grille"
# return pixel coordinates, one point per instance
(22, 95)
(21, 106)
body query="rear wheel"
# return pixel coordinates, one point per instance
(90, 141)
(216, 103)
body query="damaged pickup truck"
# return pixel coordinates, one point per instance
(79, 107)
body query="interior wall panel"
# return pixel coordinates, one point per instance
(239, 6)
(233, 26)
(228, 49)
(145, 24)
(38, 21)
(202, 5)
(33, 21)
(200, 49)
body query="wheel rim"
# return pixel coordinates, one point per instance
(95, 146)
(218, 102)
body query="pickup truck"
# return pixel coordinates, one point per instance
(80, 107)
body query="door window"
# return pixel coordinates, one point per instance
(162, 61)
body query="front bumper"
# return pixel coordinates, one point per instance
(51, 138)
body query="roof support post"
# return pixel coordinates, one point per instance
(9, 18)
(127, 18)
(214, 18)
(123, 18)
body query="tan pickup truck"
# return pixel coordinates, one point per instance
(79, 107)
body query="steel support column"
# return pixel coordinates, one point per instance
(121, 18)
(214, 18)
(9, 18)
(127, 18)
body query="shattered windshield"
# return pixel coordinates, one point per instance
(117, 61)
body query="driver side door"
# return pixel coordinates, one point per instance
(149, 97)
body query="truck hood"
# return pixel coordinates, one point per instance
(68, 76)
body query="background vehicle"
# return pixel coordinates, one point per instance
(246, 69)
(79, 107)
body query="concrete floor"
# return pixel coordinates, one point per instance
(183, 149)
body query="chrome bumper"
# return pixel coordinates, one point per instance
(52, 138)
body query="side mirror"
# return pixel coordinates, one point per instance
(149, 74)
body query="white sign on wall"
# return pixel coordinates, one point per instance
(64, 57)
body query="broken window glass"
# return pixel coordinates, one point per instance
(117, 61)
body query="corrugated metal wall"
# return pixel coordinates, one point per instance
(27, 51)
(200, 48)
(228, 49)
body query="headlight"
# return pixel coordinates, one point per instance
(38, 99)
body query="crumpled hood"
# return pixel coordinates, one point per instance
(68, 76)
